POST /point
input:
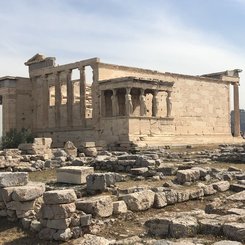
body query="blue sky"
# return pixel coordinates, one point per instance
(182, 36)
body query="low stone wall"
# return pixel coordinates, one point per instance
(19, 198)
(124, 163)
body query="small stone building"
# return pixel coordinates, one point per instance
(122, 105)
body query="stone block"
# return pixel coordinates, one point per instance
(235, 231)
(73, 174)
(97, 206)
(90, 151)
(96, 182)
(237, 187)
(90, 239)
(158, 226)
(87, 144)
(167, 170)
(139, 171)
(59, 196)
(240, 196)
(183, 227)
(6, 193)
(237, 211)
(60, 211)
(62, 235)
(9, 179)
(139, 201)
(221, 185)
(43, 141)
(85, 220)
(119, 207)
(46, 234)
(171, 196)
(25, 214)
(26, 223)
(21, 206)
(187, 175)
(210, 226)
(196, 193)
(182, 195)
(28, 192)
(35, 226)
(70, 149)
(76, 232)
(207, 189)
(59, 224)
(160, 200)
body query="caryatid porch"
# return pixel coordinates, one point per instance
(136, 106)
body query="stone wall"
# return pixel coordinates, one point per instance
(201, 107)
(16, 98)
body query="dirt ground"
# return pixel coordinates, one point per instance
(10, 234)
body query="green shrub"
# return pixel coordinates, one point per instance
(13, 138)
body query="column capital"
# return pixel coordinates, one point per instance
(142, 91)
(81, 68)
(128, 90)
(155, 92)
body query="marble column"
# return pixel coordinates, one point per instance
(143, 109)
(236, 110)
(155, 104)
(57, 100)
(45, 102)
(102, 103)
(34, 102)
(128, 102)
(114, 100)
(169, 103)
(82, 96)
(70, 98)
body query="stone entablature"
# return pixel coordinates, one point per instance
(116, 96)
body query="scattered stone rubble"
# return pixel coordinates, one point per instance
(62, 214)
(19, 199)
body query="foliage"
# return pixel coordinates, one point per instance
(13, 138)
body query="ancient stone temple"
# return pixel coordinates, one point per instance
(121, 105)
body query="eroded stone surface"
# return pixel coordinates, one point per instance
(59, 196)
(8, 179)
(101, 206)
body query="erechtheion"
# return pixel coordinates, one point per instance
(122, 105)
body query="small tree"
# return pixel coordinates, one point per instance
(13, 138)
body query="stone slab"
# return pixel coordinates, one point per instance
(59, 196)
(28, 192)
(240, 196)
(60, 211)
(101, 206)
(8, 179)
(73, 174)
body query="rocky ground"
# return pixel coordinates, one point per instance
(153, 196)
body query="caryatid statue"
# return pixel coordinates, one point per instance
(114, 99)
(143, 108)
(169, 103)
(128, 102)
(155, 104)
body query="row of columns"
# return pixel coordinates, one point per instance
(142, 99)
(58, 98)
(70, 97)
